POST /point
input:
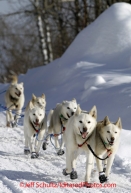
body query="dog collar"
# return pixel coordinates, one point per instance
(104, 143)
(61, 116)
(36, 130)
(80, 145)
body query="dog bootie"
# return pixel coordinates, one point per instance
(37, 155)
(33, 155)
(26, 151)
(44, 146)
(73, 175)
(64, 172)
(60, 152)
(102, 177)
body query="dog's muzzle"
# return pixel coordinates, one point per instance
(36, 123)
(111, 142)
(18, 94)
(68, 115)
(84, 133)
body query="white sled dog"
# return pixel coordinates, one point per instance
(35, 125)
(14, 99)
(58, 119)
(80, 131)
(38, 101)
(107, 142)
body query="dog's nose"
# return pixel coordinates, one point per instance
(112, 138)
(84, 129)
(37, 120)
(72, 113)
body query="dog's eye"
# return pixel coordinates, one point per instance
(75, 108)
(80, 121)
(89, 122)
(34, 114)
(68, 107)
(38, 102)
(16, 88)
(115, 131)
(108, 131)
(40, 114)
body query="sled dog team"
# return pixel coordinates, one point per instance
(78, 129)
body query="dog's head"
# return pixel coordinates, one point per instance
(16, 90)
(69, 108)
(36, 114)
(39, 101)
(85, 123)
(110, 132)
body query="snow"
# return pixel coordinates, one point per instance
(95, 70)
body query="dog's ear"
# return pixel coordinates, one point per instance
(31, 106)
(74, 100)
(93, 112)
(78, 110)
(119, 123)
(33, 97)
(43, 96)
(21, 83)
(64, 102)
(106, 121)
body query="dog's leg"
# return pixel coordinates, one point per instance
(38, 141)
(62, 140)
(32, 147)
(102, 176)
(73, 174)
(56, 142)
(109, 164)
(105, 165)
(89, 165)
(7, 119)
(69, 153)
(17, 117)
(26, 148)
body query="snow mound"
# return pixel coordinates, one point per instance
(107, 38)
(99, 80)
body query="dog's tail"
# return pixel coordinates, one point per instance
(14, 79)
(49, 120)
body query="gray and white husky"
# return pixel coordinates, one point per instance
(58, 119)
(14, 99)
(80, 131)
(107, 142)
(35, 125)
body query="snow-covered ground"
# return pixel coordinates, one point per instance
(95, 70)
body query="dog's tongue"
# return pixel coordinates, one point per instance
(84, 135)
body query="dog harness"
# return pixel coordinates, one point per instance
(108, 150)
(14, 100)
(36, 130)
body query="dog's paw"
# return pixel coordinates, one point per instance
(37, 154)
(8, 124)
(13, 124)
(73, 175)
(64, 172)
(102, 177)
(87, 185)
(26, 151)
(60, 152)
(44, 146)
(33, 155)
